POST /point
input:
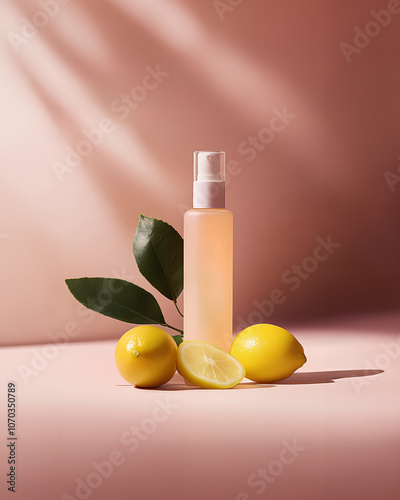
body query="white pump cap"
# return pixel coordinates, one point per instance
(209, 179)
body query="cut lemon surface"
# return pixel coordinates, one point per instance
(208, 366)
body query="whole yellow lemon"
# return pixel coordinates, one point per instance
(268, 353)
(146, 356)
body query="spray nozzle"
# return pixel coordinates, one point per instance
(209, 166)
(209, 179)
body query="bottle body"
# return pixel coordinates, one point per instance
(208, 276)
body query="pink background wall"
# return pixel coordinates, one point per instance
(223, 79)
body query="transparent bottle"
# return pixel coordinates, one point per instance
(208, 255)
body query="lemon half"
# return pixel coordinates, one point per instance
(208, 366)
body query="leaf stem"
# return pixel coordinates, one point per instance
(177, 308)
(172, 328)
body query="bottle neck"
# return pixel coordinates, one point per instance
(209, 194)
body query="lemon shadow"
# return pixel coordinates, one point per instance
(326, 377)
(188, 387)
(177, 383)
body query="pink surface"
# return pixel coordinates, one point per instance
(337, 418)
(223, 79)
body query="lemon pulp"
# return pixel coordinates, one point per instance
(208, 366)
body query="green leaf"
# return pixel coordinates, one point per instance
(178, 339)
(158, 250)
(118, 299)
